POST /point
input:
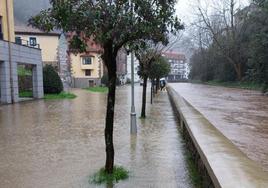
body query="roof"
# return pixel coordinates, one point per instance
(92, 47)
(174, 55)
(22, 28)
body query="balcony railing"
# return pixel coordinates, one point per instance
(26, 43)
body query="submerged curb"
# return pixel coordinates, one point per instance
(220, 162)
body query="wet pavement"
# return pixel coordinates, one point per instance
(59, 144)
(241, 115)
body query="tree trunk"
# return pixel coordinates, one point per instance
(143, 108)
(238, 71)
(110, 62)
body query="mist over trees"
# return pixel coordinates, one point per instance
(231, 42)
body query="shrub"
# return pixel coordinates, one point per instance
(52, 81)
(104, 80)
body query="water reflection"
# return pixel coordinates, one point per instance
(48, 144)
(241, 115)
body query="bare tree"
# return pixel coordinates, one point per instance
(220, 24)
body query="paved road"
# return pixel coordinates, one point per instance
(59, 144)
(241, 115)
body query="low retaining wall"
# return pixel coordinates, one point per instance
(218, 160)
(85, 82)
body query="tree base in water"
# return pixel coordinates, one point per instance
(119, 173)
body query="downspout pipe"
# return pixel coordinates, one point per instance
(9, 52)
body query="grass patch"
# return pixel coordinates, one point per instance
(195, 177)
(26, 94)
(119, 173)
(62, 95)
(97, 89)
(240, 85)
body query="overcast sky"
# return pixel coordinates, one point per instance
(185, 8)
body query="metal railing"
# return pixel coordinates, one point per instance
(26, 43)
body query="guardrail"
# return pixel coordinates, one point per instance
(219, 161)
(26, 43)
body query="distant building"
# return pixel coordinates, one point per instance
(178, 67)
(48, 42)
(86, 68)
(136, 68)
(121, 68)
(13, 55)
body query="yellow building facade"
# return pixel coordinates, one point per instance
(7, 20)
(47, 42)
(87, 69)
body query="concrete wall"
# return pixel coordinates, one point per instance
(24, 55)
(85, 82)
(219, 161)
(7, 15)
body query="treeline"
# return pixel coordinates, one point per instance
(233, 46)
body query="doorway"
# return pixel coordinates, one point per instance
(25, 81)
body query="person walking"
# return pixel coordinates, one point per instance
(162, 85)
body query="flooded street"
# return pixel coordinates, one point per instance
(241, 115)
(59, 144)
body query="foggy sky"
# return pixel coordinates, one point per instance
(24, 9)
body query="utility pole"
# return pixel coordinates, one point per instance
(133, 124)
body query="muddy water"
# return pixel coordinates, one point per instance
(241, 115)
(59, 144)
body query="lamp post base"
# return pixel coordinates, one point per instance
(133, 123)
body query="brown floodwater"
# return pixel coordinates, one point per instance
(59, 144)
(241, 115)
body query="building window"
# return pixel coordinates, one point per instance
(32, 41)
(18, 40)
(1, 32)
(88, 72)
(87, 60)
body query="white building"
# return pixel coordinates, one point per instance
(136, 68)
(178, 66)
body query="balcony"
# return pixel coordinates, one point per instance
(22, 42)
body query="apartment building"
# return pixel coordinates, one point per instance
(12, 55)
(87, 68)
(178, 66)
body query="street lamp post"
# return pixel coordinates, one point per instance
(133, 124)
